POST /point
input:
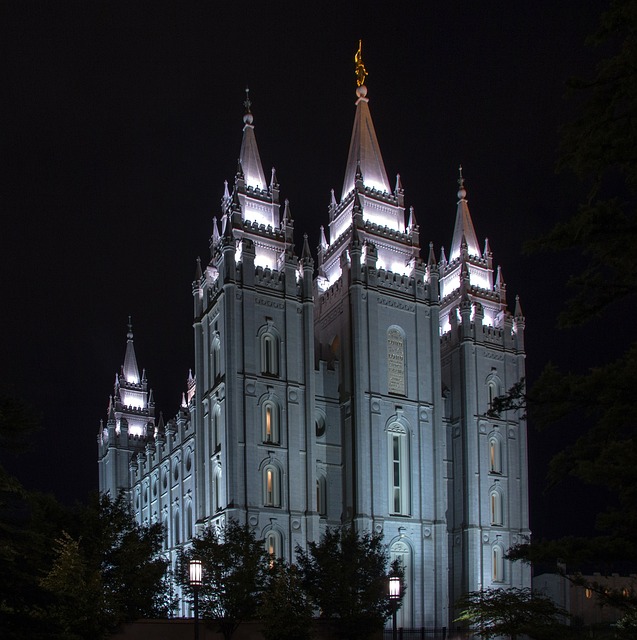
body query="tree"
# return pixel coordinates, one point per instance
(512, 613)
(235, 568)
(110, 572)
(599, 146)
(286, 611)
(346, 575)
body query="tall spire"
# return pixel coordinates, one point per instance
(464, 225)
(249, 158)
(130, 370)
(364, 151)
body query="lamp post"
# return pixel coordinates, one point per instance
(394, 596)
(195, 578)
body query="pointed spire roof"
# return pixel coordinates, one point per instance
(249, 158)
(322, 239)
(463, 229)
(364, 152)
(306, 254)
(130, 370)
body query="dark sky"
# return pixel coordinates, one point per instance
(120, 121)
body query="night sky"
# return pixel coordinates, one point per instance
(121, 120)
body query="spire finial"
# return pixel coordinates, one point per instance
(129, 335)
(361, 72)
(462, 192)
(247, 117)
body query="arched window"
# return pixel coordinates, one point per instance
(270, 421)
(395, 361)
(215, 359)
(497, 563)
(398, 454)
(189, 520)
(217, 488)
(269, 354)
(271, 486)
(165, 523)
(493, 389)
(495, 455)
(273, 544)
(216, 429)
(321, 495)
(495, 507)
(176, 537)
(401, 551)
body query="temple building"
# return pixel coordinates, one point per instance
(351, 386)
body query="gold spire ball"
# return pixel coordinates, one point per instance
(361, 72)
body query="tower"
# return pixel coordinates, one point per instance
(355, 393)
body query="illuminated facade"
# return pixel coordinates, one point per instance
(353, 390)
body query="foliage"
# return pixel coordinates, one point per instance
(111, 572)
(512, 613)
(235, 568)
(346, 576)
(599, 146)
(286, 611)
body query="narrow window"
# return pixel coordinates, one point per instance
(189, 521)
(215, 359)
(272, 491)
(398, 460)
(269, 355)
(496, 508)
(321, 496)
(216, 429)
(270, 416)
(273, 545)
(497, 561)
(176, 538)
(495, 456)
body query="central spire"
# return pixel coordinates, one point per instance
(249, 158)
(364, 151)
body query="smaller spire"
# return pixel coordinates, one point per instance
(399, 185)
(226, 193)
(412, 219)
(487, 248)
(462, 192)
(184, 404)
(332, 199)
(518, 308)
(443, 257)
(322, 239)
(215, 230)
(273, 183)
(498, 278)
(151, 398)
(287, 216)
(306, 255)
(431, 262)
(198, 272)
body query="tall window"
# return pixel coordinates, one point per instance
(495, 455)
(493, 389)
(269, 354)
(189, 521)
(273, 544)
(402, 552)
(216, 429)
(217, 489)
(497, 563)
(271, 486)
(495, 507)
(395, 361)
(398, 448)
(176, 537)
(270, 418)
(321, 495)
(215, 359)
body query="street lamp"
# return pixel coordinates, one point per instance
(196, 579)
(394, 597)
